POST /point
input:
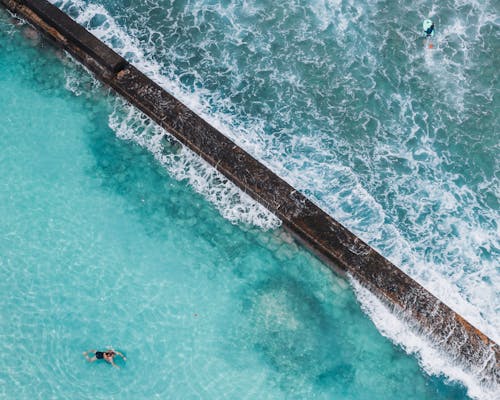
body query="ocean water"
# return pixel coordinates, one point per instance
(100, 246)
(344, 100)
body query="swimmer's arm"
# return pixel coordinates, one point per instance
(121, 355)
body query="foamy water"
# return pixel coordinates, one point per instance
(431, 358)
(341, 98)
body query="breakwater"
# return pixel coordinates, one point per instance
(310, 224)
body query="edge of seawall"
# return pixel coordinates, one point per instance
(326, 237)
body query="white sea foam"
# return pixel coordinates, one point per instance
(230, 201)
(430, 358)
(130, 124)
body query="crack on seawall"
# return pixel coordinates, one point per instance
(327, 238)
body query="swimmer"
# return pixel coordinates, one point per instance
(428, 27)
(107, 356)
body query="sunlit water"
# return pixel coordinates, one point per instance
(100, 247)
(344, 99)
(341, 99)
(347, 102)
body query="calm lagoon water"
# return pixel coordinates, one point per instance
(99, 247)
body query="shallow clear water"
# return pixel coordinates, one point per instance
(343, 98)
(100, 247)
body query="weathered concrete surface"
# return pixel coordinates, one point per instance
(316, 229)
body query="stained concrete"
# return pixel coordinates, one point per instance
(327, 238)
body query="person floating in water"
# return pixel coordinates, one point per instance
(107, 356)
(428, 26)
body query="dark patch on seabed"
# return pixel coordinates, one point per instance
(288, 325)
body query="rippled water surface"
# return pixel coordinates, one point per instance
(345, 100)
(101, 247)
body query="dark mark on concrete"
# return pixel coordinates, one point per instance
(340, 248)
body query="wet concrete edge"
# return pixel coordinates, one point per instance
(327, 238)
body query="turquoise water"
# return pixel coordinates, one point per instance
(343, 98)
(101, 247)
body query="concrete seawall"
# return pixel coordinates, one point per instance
(336, 245)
